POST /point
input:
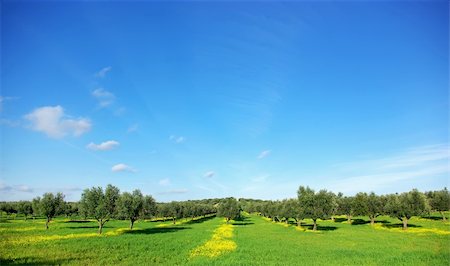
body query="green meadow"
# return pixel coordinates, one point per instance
(251, 240)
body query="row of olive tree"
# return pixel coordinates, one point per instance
(103, 205)
(184, 209)
(325, 205)
(32, 208)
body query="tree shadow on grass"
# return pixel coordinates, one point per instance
(359, 221)
(242, 221)
(340, 220)
(86, 227)
(200, 220)
(78, 221)
(156, 230)
(432, 217)
(319, 227)
(382, 222)
(399, 225)
(36, 261)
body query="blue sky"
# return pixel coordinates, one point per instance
(190, 100)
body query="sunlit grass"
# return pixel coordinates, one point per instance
(253, 240)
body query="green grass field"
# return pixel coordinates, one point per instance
(251, 241)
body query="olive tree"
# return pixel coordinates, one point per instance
(150, 208)
(130, 206)
(368, 204)
(345, 207)
(440, 201)
(229, 208)
(318, 205)
(50, 206)
(25, 208)
(100, 205)
(406, 205)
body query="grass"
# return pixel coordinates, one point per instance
(252, 240)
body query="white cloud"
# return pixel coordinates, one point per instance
(122, 168)
(102, 73)
(133, 128)
(164, 182)
(174, 191)
(264, 154)
(209, 174)
(104, 97)
(52, 121)
(104, 146)
(177, 139)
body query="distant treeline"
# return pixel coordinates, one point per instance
(110, 203)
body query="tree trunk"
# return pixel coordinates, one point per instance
(349, 219)
(299, 224)
(332, 218)
(228, 219)
(443, 216)
(131, 224)
(174, 220)
(405, 223)
(46, 223)
(287, 221)
(100, 227)
(372, 221)
(315, 225)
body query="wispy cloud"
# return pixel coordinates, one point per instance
(52, 121)
(209, 174)
(120, 111)
(264, 154)
(133, 128)
(102, 73)
(121, 167)
(104, 146)
(164, 182)
(4, 99)
(104, 97)
(9, 122)
(254, 107)
(177, 139)
(16, 188)
(174, 191)
(71, 189)
(259, 179)
(422, 162)
(204, 188)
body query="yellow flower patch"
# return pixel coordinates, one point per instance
(35, 239)
(413, 230)
(20, 229)
(219, 243)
